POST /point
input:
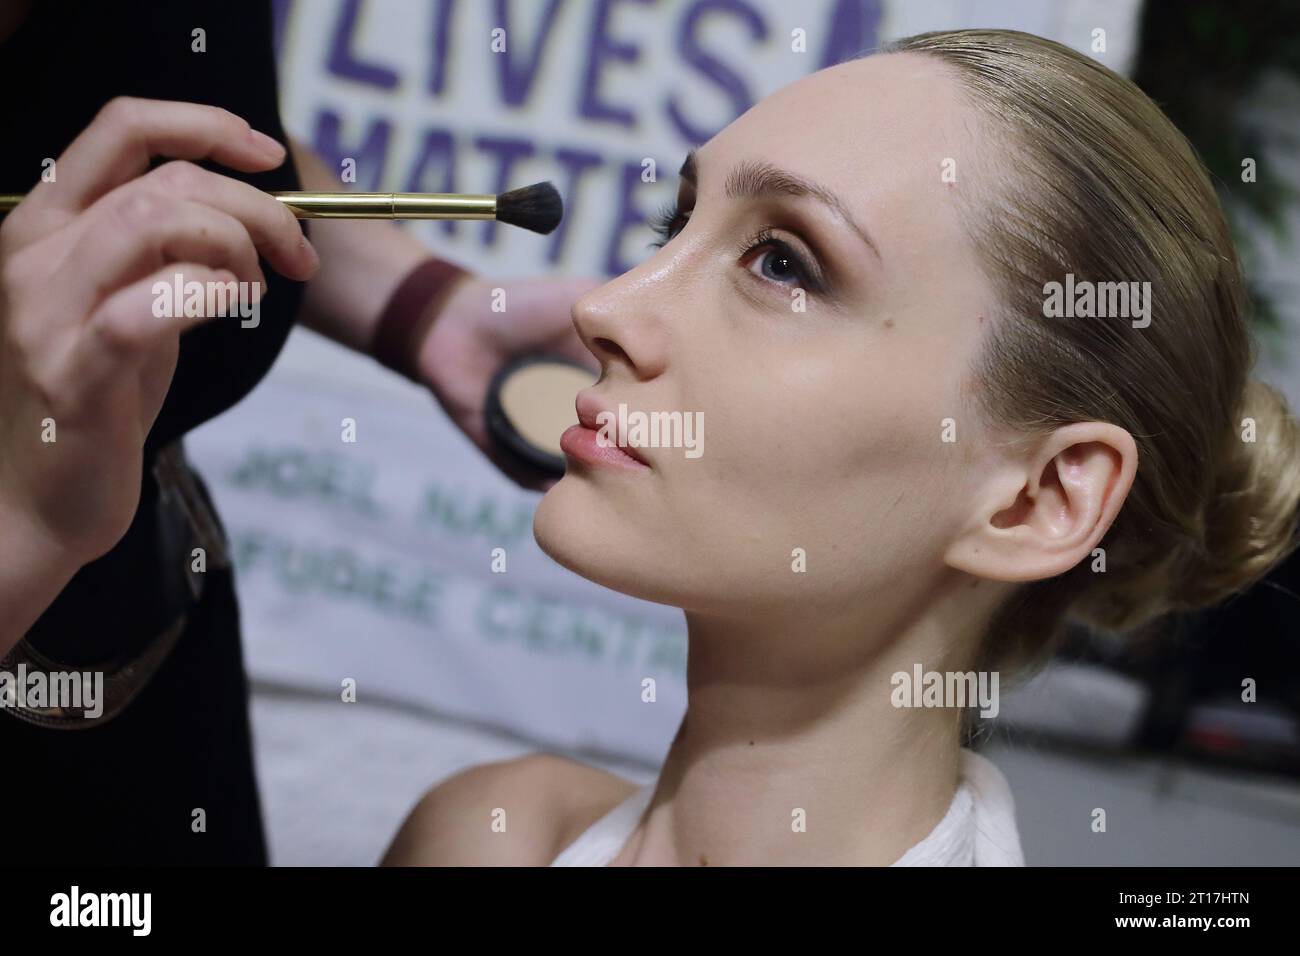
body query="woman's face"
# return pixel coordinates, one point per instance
(818, 304)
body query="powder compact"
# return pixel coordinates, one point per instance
(530, 404)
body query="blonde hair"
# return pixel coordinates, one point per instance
(1091, 178)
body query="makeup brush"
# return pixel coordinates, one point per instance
(537, 208)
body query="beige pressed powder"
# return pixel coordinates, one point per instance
(531, 403)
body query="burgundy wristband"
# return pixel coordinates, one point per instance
(411, 310)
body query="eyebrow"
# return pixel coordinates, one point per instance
(751, 180)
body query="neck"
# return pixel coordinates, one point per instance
(787, 722)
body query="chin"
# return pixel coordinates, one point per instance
(572, 526)
(552, 524)
(579, 530)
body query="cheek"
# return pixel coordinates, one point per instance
(830, 442)
(829, 415)
(811, 443)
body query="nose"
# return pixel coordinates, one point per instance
(623, 322)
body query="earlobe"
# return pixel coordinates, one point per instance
(1041, 517)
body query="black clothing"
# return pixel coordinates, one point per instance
(125, 791)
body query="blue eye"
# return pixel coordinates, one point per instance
(776, 262)
(778, 267)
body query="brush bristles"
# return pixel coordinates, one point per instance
(537, 208)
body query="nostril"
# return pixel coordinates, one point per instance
(611, 348)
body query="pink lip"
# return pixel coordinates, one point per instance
(580, 441)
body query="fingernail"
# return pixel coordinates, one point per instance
(266, 144)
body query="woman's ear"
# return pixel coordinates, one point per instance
(1042, 513)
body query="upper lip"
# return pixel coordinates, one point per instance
(589, 409)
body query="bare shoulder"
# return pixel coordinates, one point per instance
(519, 812)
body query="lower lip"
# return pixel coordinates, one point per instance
(580, 442)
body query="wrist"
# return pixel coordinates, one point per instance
(410, 313)
(34, 568)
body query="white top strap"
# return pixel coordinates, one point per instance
(600, 843)
(979, 828)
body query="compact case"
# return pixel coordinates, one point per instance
(529, 405)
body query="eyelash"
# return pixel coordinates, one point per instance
(670, 216)
(662, 223)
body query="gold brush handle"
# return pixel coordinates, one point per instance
(366, 205)
(389, 205)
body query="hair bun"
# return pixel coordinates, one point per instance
(1250, 523)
